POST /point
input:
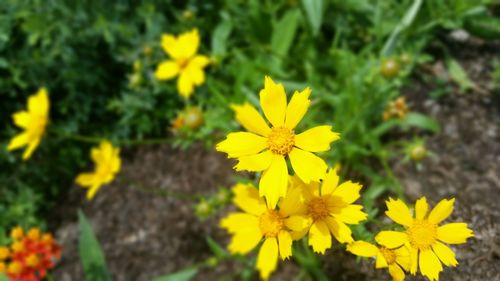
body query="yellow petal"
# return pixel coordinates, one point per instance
(18, 141)
(85, 179)
(391, 239)
(242, 144)
(351, 214)
(307, 166)
(267, 260)
(413, 260)
(31, 147)
(319, 237)
(396, 272)
(380, 261)
(251, 119)
(299, 225)
(293, 202)
(442, 210)
(243, 242)
(169, 45)
(454, 233)
(247, 198)
(445, 254)
(398, 212)
(348, 191)
(362, 249)
(91, 192)
(316, 139)
(430, 265)
(273, 102)
(340, 231)
(167, 70)
(254, 163)
(240, 222)
(188, 43)
(297, 108)
(39, 103)
(330, 182)
(21, 119)
(185, 85)
(274, 181)
(421, 208)
(196, 75)
(285, 244)
(403, 257)
(199, 61)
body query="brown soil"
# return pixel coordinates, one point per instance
(145, 235)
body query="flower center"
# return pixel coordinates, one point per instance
(389, 255)
(38, 126)
(281, 140)
(422, 234)
(317, 208)
(182, 63)
(271, 223)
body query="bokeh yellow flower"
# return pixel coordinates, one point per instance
(184, 62)
(329, 208)
(265, 148)
(107, 165)
(33, 121)
(259, 223)
(397, 260)
(424, 236)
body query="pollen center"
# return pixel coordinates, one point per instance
(389, 255)
(182, 63)
(271, 223)
(317, 208)
(281, 140)
(422, 234)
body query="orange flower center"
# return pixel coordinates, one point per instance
(182, 63)
(422, 234)
(281, 140)
(389, 255)
(317, 208)
(271, 223)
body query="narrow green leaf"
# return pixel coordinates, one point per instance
(284, 32)
(220, 36)
(421, 121)
(458, 74)
(183, 275)
(218, 251)
(91, 255)
(314, 11)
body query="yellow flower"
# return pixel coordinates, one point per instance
(258, 222)
(329, 208)
(424, 236)
(396, 260)
(4, 253)
(17, 233)
(33, 121)
(264, 148)
(107, 161)
(184, 62)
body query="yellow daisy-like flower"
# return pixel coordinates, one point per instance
(264, 148)
(33, 121)
(257, 222)
(424, 236)
(184, 62)
(107, 161)
(397, 260)
(329, 207)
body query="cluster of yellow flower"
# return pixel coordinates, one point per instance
(312, 203)
(34, 122)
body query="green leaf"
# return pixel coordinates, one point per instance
(91, 255)
(284, 33)
(421, 121)
(314, 11)
(484, 26)
(220, 36)
(183, 275)
(218, 251)
(458, 74)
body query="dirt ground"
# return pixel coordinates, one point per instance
(145, 235)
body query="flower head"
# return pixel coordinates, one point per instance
(33, 121)
(257, 222)
(107, 165)
(30, 256)
(397, 259)
(329, 207)
(184, 61)
(396, 109)
(265, 148)
(423, 235)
